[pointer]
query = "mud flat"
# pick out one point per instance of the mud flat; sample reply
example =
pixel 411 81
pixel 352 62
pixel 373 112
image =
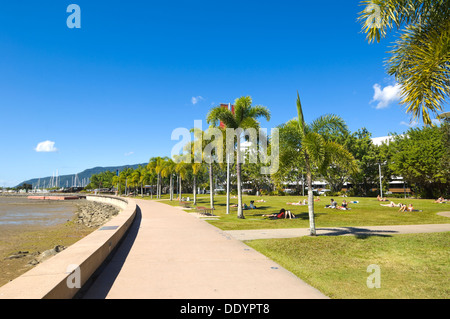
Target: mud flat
pixel 25 240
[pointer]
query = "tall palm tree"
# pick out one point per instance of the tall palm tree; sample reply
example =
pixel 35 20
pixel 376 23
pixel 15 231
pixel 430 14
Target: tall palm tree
pixel 420 60
pixel 319 153
pixel 200 135
pixel 168 171
pixel 156 165
pixel 245 116
pixel 181 169
pixel 196 167
pixel 135 178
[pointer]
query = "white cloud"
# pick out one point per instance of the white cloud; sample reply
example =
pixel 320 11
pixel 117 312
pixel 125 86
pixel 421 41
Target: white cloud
pixel 46 147
pixel 129 153
pixel 196 99
pixel 411 124
pixel 436 122
pixel 386 96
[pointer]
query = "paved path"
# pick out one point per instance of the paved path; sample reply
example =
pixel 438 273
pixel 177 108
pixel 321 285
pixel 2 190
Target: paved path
pixel 169 254
pixel 362 231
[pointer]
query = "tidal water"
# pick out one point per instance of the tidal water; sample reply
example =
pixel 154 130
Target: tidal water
pixel 19 210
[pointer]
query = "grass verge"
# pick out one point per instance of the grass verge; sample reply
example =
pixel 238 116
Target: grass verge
pixel 412 265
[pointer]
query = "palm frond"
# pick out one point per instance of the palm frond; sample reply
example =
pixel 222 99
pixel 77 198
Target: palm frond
pixel 220 114
pixel 328 123
pixel 420 63
pixel 314 145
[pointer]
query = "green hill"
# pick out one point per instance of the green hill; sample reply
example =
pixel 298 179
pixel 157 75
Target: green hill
pixel 76 179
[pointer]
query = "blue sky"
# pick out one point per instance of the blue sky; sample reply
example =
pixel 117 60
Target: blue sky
pixel 112 92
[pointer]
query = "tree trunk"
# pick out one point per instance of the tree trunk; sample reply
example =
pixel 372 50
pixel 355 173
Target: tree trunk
pixel 211 186
pixel 312 224
pixel 158 187
pixel 195 190
pixel 171 187
pixel 240 213
pixel 180 188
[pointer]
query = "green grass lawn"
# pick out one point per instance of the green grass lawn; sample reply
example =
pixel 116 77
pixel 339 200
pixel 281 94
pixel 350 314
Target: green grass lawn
pixel 411 265
pixel 367 212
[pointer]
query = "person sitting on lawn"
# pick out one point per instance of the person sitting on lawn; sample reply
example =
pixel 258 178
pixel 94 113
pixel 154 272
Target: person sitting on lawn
pixel 252 204
pixel 380 199
pixel 333 204
pixel 344 204
pixel 403 207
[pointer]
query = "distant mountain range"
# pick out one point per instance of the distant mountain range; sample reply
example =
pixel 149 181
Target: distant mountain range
pixel 75 179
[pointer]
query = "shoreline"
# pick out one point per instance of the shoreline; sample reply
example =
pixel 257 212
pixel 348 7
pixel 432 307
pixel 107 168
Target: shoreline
pixel 29 241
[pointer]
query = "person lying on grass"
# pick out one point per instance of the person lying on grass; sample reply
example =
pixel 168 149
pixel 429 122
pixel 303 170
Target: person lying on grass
pixel 391 204
pixel 441 200
pixel 408 208
pixel 282 214
pixel 380 199
pixel 304 202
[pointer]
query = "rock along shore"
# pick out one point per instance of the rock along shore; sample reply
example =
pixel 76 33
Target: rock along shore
pixel 94 214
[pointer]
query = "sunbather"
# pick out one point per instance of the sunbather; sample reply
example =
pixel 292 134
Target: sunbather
pixel 441 200
pixel 282 214
pixel 298 203
pixel 277 216
pixel 380 199
pixel 391 204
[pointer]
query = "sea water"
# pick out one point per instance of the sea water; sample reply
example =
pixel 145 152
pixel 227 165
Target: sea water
pixel 19 210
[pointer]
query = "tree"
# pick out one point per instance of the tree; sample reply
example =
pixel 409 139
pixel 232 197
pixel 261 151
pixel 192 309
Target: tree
pixel 418 156
pixel 368 157
pixel 156 165
pixel 181 168
pixel 420 60
pixel 200 135
pixel 318 152
pixel 168 170
pixel 245 116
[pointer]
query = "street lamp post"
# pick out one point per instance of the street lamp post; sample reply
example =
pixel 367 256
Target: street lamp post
pixel 381 185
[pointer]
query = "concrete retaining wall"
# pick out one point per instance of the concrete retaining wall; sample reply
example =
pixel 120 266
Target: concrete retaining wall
pixel 61 276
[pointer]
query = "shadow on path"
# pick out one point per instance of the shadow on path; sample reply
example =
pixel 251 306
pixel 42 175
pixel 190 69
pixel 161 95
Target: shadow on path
pixel 360 233
pixel 101 282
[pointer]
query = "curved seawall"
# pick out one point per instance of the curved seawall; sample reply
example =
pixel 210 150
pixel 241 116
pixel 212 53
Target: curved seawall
pixel 62 276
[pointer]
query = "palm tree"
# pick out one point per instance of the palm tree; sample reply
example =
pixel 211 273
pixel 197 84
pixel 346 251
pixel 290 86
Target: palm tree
pixel 168 170
pixel 245 116
pixel 420 60
pixel 199 134
pixel 156 165
pixel 124 178
pixel 181 168
pixel 318 152
pixel 135 178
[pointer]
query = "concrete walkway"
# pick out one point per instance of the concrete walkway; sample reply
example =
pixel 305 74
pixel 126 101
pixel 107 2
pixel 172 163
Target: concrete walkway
pixel 362 231
pixel 170 254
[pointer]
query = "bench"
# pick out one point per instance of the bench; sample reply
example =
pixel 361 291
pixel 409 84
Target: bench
pixel 205 211
pixel 185 204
